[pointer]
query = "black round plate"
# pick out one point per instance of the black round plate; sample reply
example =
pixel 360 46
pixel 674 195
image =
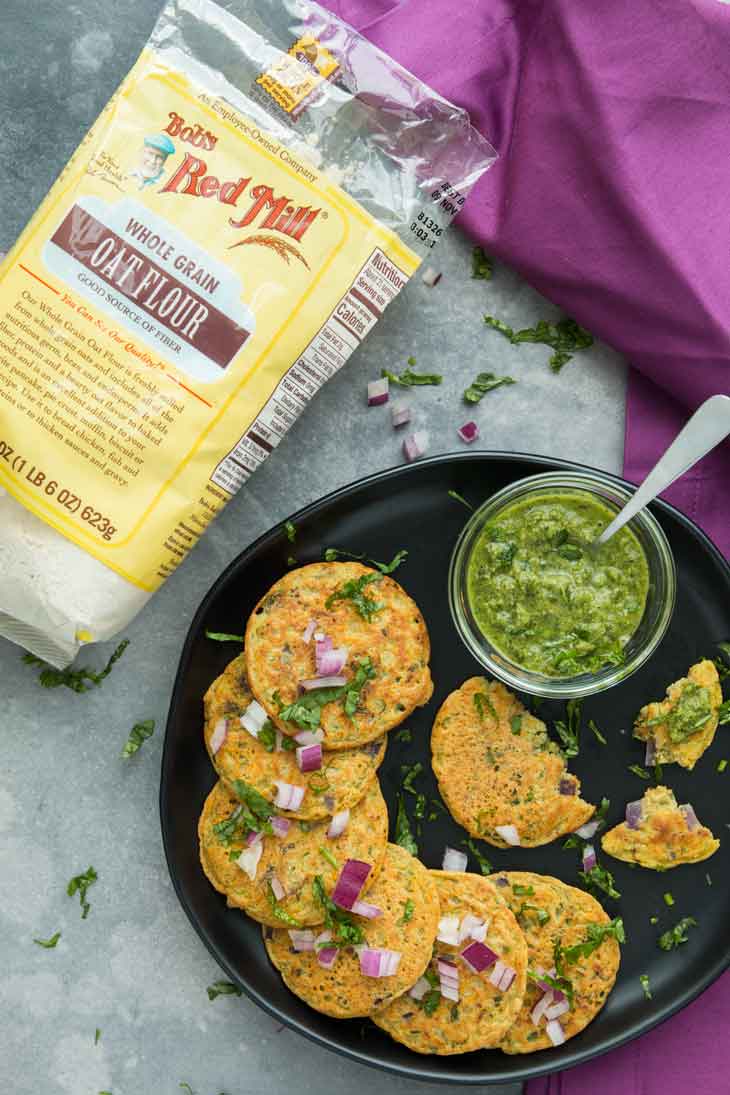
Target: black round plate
pixel 410 507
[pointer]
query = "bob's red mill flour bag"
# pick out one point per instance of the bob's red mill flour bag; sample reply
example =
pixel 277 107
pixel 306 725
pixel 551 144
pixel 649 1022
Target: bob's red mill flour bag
pixel 258 190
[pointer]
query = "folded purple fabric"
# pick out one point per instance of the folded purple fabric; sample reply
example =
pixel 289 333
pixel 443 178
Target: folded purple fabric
pixel 613 126
pixel 611 197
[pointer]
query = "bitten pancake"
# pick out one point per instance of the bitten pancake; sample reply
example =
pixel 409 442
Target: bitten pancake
pixel 483 1013
pixel 549 913
pixel 683 725
pixel 344 991
pixel 496 766
pixel 663 835
pixel 392 643
pixel 294 859
pixel 340 783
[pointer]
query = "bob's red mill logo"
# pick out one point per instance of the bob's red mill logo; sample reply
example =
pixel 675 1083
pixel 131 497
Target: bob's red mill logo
pixel 265 210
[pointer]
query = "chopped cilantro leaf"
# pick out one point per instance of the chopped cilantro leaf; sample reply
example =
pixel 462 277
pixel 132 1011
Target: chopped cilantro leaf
pixel 708 878
pixel 306 711
pixel 481 264
pixel 642 773
pixel 291 532
pixel 137 735
pixel 403 832
pixel 187 1087
pixel 48 943
pixel 522 891
pixel 721 765
pixel 568 729
pixel 267 736
pixel 596 732
pixel 723 713
pixel 668 899
pixel 327 855
pixel 408 910
pixel 596 934
pixel 484 865
pixel 409 772
pixel 516 724
pixel 97 1036
pixel 223 637
pixel 354 590
pixel 409 379
pixel 561 983
pixel 222 988
pixel 598 878
pixel 80 884
pixel 564 337
pixel 482 702
pixel 404 734
pixel 332 554
pixel 483 383
pixel 277 911
pixel 78 680
pixel 676 935
pixel 643 978
pixel 459 498
pixel 345 932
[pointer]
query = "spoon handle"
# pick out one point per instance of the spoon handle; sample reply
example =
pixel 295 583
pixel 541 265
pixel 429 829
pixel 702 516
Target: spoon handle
pixel 707 427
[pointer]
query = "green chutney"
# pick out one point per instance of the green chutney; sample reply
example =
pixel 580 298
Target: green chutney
pixel 542 599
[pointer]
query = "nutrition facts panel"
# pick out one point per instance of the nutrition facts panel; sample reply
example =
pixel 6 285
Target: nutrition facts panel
pixel 376 285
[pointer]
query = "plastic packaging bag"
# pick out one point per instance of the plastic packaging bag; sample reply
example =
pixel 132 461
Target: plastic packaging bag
pixel 261 186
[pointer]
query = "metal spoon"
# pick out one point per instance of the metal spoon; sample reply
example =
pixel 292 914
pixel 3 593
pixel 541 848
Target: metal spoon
pixel 708 426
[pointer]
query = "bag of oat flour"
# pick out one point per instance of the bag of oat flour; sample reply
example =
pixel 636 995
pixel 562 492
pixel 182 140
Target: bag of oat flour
pixel 261 186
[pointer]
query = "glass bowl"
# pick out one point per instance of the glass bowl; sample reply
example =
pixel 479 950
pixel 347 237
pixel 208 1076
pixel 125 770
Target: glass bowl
pixel 659 602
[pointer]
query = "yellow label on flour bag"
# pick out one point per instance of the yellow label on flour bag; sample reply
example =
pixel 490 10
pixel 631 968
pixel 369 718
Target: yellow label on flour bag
pixel 210 256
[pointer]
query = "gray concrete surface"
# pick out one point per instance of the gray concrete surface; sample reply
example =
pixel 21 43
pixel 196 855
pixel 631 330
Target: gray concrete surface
pixel 134 968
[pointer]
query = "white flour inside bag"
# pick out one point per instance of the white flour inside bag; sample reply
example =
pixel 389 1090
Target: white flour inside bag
pixel 258 190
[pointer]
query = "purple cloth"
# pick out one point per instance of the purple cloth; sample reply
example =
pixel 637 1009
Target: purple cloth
pixel 611 194
pixel 611 197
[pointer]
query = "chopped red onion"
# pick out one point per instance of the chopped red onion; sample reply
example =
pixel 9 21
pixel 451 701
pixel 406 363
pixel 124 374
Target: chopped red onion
pixel 309 737
pixel 350 882
pixel 468 432
pixel 370 912
pixel 480 932
pixel 507 978
pixel 279 748
pixel 634 812
pixel 502 881
pixel 338 824
pixel 309 757
pixel 322 682
pixel 288 796
pixel 555 1032
pixel 277 889
pixel 220 731
pixel 378 392
pixel 567 786
pixel 556 1010
pixel 449 991
pixel 400 414
pixel 454 860
pixel 448 930
pixel 301 940
pixel 588 830
pixel 468 924
pixel 448 979
pixel 690 817
pixel 320 637
pixel 497 972
pixel 650 754
pixel 326 956
pixel 249 858
pixel 420 989
pixel 322 643
pixel 253 838
pixel 253 718
pixel 415 446
pixel 309 630
pixel 589 857
pixel 330 663
pixel 541 1007
pixel 478 957
pixel 431 277
pixel 280 825
pixel 379 962
pixel 509 834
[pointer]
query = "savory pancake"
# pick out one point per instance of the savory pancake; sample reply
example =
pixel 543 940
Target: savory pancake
pixel 552 914
pixel 497 768
pixel 291 860
pixel 340 783
pixel 407 897
pixel 483 1013
pixel 365 615
pixel 683 725
pixel 659 834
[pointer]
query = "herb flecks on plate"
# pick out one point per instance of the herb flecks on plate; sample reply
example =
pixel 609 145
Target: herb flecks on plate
pixel 411 379
pixel 82 679
pixel 137 735
pixel 565 337
pixel 345 931
pixel 481 265
pixel 306 710
pixel 354 590
pixel 222 988
pixel 223 637
pixel 49 944
pixel 484 865
pixel 483 383
pixel 672 938
pixel 80 884
pixel 568 729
